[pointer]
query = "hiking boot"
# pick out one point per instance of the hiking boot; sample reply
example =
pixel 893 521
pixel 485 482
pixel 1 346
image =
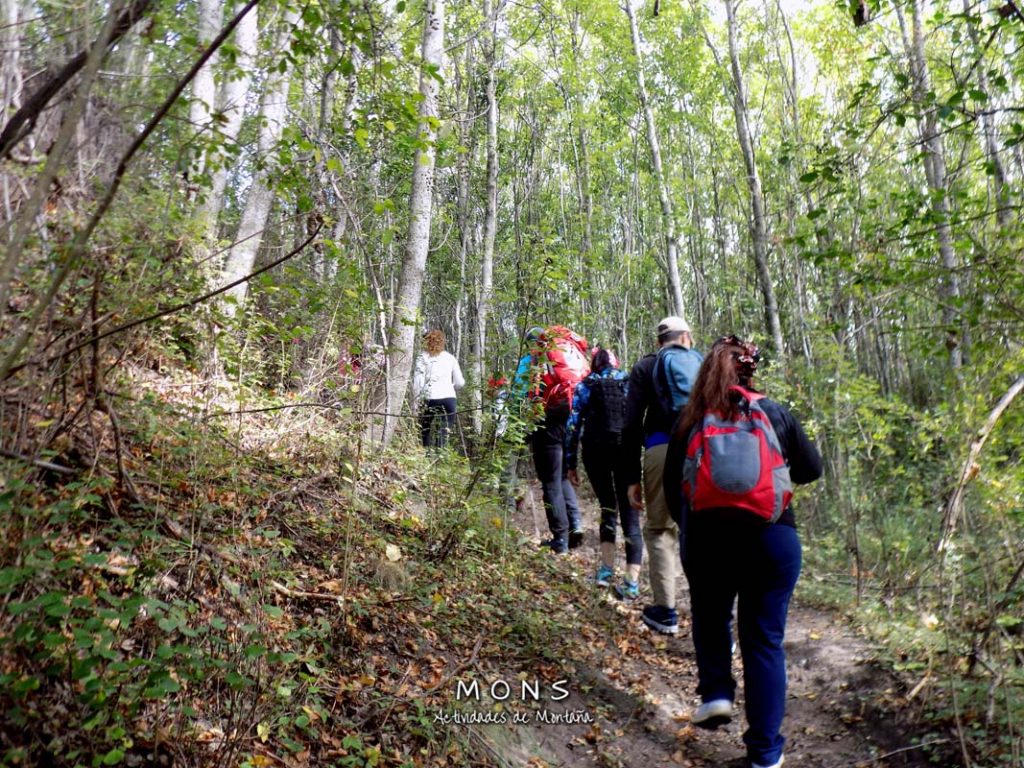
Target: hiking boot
pixel 576 538
pixel 604 576
pixel 714 713
pixel 661 619
pixel 627 590
pixel 558 546
pixel 777 764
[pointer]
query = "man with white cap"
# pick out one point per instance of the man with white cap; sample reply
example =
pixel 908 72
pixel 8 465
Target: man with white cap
pixel 659 387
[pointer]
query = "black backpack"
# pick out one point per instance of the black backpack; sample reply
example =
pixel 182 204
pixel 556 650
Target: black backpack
pixel 607 409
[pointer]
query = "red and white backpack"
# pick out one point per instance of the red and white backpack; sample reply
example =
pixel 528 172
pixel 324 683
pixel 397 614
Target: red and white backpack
pixel 737 463
pixel 563 358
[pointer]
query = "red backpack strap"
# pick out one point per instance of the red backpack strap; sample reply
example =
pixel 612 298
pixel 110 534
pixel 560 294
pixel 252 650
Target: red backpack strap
pixel 750 395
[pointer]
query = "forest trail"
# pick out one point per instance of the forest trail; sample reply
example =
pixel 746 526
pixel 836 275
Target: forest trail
pixel 638 687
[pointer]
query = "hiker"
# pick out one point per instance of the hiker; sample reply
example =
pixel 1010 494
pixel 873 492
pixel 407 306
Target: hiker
pixel 733 459
pixel 437 377
pixel 659 386
pixel 547 376
pixel 598 415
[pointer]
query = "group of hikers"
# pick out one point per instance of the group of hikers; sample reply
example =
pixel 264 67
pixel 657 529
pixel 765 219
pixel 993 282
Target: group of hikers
pixel 690 444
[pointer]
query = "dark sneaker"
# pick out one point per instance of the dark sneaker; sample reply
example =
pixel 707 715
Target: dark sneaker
pixel 627 590
pixel 576 538
pixel 557 546
pixel 661 619
pixel 713 714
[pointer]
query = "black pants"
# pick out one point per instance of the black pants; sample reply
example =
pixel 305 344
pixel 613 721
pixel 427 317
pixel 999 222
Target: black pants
pixel 600 460
pixel 437 421
pixel 560 504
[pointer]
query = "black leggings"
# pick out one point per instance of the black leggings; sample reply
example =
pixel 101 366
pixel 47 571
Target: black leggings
pixel 601 462
pixel 437 421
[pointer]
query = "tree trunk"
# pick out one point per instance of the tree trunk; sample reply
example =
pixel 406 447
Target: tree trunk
pixel 668 219
pixel 1003 213
pixel 273 105
pixel 935 175
pixel 204 89
pixel 491 209
pixel 231 107
pixel 10 58
pixel 464 87
pixel 10 82
pixel 759 224
pixel 410 282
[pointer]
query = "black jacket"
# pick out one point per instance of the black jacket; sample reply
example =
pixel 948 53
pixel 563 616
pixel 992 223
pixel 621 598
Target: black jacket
pixel 644 417
pixel 800 453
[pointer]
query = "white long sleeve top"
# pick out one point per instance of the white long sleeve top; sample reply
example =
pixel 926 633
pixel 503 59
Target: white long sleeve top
pixel 437 376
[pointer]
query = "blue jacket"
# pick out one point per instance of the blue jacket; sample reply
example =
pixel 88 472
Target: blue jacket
pixel 524 373
pixel 581 409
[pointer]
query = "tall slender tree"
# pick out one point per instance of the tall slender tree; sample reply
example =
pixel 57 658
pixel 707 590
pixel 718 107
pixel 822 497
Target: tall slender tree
pixel 934 159
pixel 260 199
pixel 665 200
pixel 491 206
pixel 231 100
pixel 204 86
pixel 404 319
pixel 759 222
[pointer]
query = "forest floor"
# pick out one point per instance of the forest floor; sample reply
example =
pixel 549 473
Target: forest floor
pixel 637 688
pixel 275 596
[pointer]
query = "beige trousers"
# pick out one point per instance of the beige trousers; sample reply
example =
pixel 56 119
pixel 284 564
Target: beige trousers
pixel 661 534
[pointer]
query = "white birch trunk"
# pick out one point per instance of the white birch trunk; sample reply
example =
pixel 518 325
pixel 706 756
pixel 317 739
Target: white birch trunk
pixel 668 218
pixel 410 282
pixel 935 174
pixel 273 106
pixel 10 86
pixel 10 59
pixel 759 225
pixel 990 134
pixel 231 107
pixel 490 213
pixel 204 89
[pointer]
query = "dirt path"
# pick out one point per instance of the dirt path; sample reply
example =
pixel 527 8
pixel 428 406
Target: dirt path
pixel 637 689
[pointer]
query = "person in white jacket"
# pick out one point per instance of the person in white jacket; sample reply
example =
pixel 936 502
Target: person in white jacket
pixel 437 377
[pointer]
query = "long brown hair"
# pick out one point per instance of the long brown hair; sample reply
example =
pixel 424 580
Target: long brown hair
pixel 433 341
pixel 718 373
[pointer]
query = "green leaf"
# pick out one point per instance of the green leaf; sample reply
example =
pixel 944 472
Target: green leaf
pixel 808 177
pixel 113 757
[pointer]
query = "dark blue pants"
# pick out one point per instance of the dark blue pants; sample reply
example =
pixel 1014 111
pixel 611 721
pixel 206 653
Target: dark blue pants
pixel 437 422
pixel 560 504
pixel 758 564
pixel 601 461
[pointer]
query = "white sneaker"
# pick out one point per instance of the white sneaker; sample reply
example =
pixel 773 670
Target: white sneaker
pixel 777 764
pixel 712 714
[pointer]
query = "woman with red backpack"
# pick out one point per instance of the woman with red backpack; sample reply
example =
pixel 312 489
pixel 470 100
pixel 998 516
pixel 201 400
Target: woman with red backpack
pixel 733 459
pixel 547 375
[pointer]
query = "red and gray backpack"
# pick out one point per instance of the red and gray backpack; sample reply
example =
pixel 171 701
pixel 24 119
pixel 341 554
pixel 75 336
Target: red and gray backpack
pixel 737 463
pixel 563 357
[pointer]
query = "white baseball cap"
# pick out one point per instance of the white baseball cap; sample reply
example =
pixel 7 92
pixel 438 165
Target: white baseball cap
pixel 672 324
